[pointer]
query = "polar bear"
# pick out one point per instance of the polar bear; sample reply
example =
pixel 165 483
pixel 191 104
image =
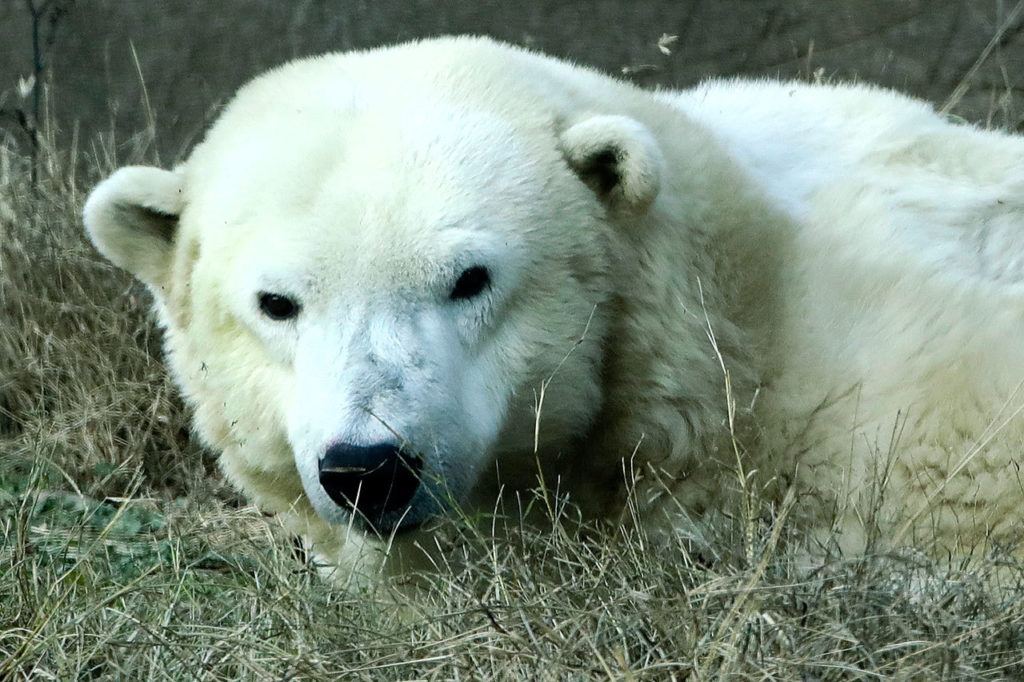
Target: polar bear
pixel 393 282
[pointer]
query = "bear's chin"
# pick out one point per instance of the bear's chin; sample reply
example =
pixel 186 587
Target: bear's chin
pixel 391 525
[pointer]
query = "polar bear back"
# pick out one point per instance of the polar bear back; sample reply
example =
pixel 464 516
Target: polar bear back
pixel 904 297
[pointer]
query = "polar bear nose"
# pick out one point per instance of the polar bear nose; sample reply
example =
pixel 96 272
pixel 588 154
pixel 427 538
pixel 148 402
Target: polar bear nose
pixel 373 480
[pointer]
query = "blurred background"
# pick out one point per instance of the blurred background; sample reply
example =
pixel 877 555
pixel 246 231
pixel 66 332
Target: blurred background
pixel 192 54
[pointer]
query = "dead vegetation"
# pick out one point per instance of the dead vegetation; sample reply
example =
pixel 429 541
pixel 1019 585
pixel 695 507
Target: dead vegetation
pixel 124 556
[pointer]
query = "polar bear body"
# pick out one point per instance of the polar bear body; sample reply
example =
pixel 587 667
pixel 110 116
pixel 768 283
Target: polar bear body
pixel 904 290
pixel 822 283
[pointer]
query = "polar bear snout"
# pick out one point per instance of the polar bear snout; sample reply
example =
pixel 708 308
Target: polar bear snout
pixel 374 481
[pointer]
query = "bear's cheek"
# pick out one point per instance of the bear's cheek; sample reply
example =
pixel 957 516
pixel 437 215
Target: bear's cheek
pixel 238 392
pixel 557 348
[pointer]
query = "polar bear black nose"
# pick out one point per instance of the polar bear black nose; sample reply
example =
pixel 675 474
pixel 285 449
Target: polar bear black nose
pixel 373 480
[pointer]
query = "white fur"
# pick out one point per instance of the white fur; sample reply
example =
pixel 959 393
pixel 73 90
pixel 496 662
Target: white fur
pixel 853 260
pixel 641 164
pixel 112 214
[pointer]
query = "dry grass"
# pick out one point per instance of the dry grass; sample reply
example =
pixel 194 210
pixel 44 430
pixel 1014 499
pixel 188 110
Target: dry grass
pixel 123 555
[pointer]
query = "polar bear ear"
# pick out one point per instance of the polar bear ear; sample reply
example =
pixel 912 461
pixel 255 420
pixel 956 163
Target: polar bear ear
pixel 132 217
pixel 618 158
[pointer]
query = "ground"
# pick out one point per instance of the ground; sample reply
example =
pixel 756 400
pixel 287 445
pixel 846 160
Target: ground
pixel 122 555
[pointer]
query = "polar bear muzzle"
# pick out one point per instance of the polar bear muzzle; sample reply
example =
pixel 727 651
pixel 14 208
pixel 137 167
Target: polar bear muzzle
pixel 376 482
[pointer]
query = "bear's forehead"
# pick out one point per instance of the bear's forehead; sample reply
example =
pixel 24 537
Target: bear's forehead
pixel 354 236
pixel 337 262
pixel 427 157
pixel 405 197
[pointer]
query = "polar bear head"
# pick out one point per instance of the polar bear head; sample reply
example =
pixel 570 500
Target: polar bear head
pixel 376 268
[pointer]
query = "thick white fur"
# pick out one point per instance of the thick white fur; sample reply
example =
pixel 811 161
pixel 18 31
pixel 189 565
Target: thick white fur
pixel 117 212
pixel 849 257
pixel 640 161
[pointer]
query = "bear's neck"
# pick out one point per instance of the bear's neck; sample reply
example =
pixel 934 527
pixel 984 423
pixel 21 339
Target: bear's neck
pixel 693 311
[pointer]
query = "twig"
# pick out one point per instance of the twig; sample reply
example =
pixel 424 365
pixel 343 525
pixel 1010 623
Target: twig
pixel 965 83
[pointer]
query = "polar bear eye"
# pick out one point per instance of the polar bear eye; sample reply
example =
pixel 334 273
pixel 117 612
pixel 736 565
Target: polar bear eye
pixel 278 307
pixel 471 282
